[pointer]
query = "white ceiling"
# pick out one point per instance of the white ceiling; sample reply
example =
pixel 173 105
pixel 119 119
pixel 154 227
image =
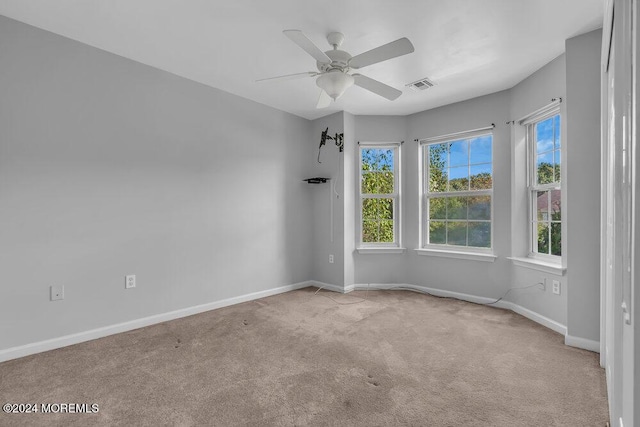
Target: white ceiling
pixel 468 47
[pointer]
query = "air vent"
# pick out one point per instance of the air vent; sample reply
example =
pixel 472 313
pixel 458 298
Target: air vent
pixel 421 84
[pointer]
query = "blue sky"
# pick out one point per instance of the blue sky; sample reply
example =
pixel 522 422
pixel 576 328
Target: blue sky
pixel 475 151
pixel 545 132
pixel 376 156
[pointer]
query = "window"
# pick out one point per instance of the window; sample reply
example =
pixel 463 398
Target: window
pixel 457 191
pixel 379 195
pixel 545 219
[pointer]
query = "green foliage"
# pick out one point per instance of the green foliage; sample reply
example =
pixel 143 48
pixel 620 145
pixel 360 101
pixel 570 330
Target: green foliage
pixel 547 173
pixel 377 178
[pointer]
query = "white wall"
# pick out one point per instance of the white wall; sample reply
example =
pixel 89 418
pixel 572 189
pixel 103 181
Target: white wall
pixel 109 167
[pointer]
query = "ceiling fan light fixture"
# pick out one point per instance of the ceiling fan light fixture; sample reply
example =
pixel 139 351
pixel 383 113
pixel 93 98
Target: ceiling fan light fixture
pixel 335 83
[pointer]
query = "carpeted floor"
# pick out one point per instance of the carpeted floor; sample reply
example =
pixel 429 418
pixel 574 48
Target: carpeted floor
pixel 398 358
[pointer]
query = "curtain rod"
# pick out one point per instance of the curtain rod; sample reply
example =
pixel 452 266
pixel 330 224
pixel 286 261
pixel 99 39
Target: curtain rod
pixel 554 102
pixel 455 134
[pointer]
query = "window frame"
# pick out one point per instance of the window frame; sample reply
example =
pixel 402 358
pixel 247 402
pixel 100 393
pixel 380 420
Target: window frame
pixel 424 173
pixel 396 196
pixel 533 187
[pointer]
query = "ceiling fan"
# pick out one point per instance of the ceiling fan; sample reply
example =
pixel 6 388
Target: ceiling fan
pixel 334 66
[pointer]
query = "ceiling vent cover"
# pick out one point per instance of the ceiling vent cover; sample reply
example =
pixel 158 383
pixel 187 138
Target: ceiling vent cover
pixel 421 84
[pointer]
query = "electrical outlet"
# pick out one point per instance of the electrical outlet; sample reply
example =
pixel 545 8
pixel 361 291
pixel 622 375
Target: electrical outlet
pixel 56 292
pixel 556 287
pixel 130 281
pixel 330 258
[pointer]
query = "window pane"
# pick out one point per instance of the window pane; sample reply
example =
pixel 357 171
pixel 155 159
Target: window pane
pixel 542 206
pixel 556 239
pixel 543 238
pixel 480 150
pixel 545 168
pixel 369 231
pixel 377 182
pixel 438 155
pixel 459 178
pixel 544 135
pixel 437 232
pixel 481 177
pixel 438 208
pixel 437 179
pixel 377 208
pixel 386 231
pixel 556 122
pixel 458 153
pixel 480 234
pixel 456 208
pixel 480 207
pixel 377 159
pixel 555 208
pixel 457 233
pixel 556 169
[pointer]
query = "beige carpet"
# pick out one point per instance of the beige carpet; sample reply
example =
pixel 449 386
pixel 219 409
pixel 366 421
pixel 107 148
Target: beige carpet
pixel 398 358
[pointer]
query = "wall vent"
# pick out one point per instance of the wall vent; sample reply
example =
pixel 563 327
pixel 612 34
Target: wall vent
pixel 421 84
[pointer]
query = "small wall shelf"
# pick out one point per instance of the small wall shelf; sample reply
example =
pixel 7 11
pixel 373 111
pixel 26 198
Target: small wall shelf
pixel 317 180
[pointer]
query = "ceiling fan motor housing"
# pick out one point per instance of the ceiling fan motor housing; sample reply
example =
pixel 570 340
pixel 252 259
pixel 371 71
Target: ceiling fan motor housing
pixel 339 61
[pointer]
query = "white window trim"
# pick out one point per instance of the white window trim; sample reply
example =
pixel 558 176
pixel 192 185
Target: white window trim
pixel 469 255
pixel 529 121
pixel 453 251
pixel 539 265
pixel 380 248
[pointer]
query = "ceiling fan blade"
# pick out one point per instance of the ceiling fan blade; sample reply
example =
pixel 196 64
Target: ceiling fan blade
pixel 376 87
pixel 324 100
pixel 382 53
pixel 290 76
pixel 307 45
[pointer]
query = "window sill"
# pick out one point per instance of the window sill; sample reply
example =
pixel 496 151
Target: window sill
pixel 373 250
pixel 536 264
pixel 474 256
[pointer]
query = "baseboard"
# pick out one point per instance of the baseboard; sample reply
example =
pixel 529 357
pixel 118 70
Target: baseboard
pixel 51 344
pixel 538 318
pixel 329 287
pixel 432 291
pixel 529 314
pixel 582 343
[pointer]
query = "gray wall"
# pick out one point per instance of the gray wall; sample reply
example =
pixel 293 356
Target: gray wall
pixel 382 268
pixel 465 276
pixel 583 182
pixel 327 202
pixel 109 167
pixel 531 94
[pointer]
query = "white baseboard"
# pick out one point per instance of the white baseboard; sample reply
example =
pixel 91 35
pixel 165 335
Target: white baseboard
pixel 538 318
pixel 51 344
pixel 583 343
pixel 329 287
pixel 529 314
pixel 432 291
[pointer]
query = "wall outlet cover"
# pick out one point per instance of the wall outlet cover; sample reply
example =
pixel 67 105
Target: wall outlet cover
pixel 56 292
pixel 130 281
